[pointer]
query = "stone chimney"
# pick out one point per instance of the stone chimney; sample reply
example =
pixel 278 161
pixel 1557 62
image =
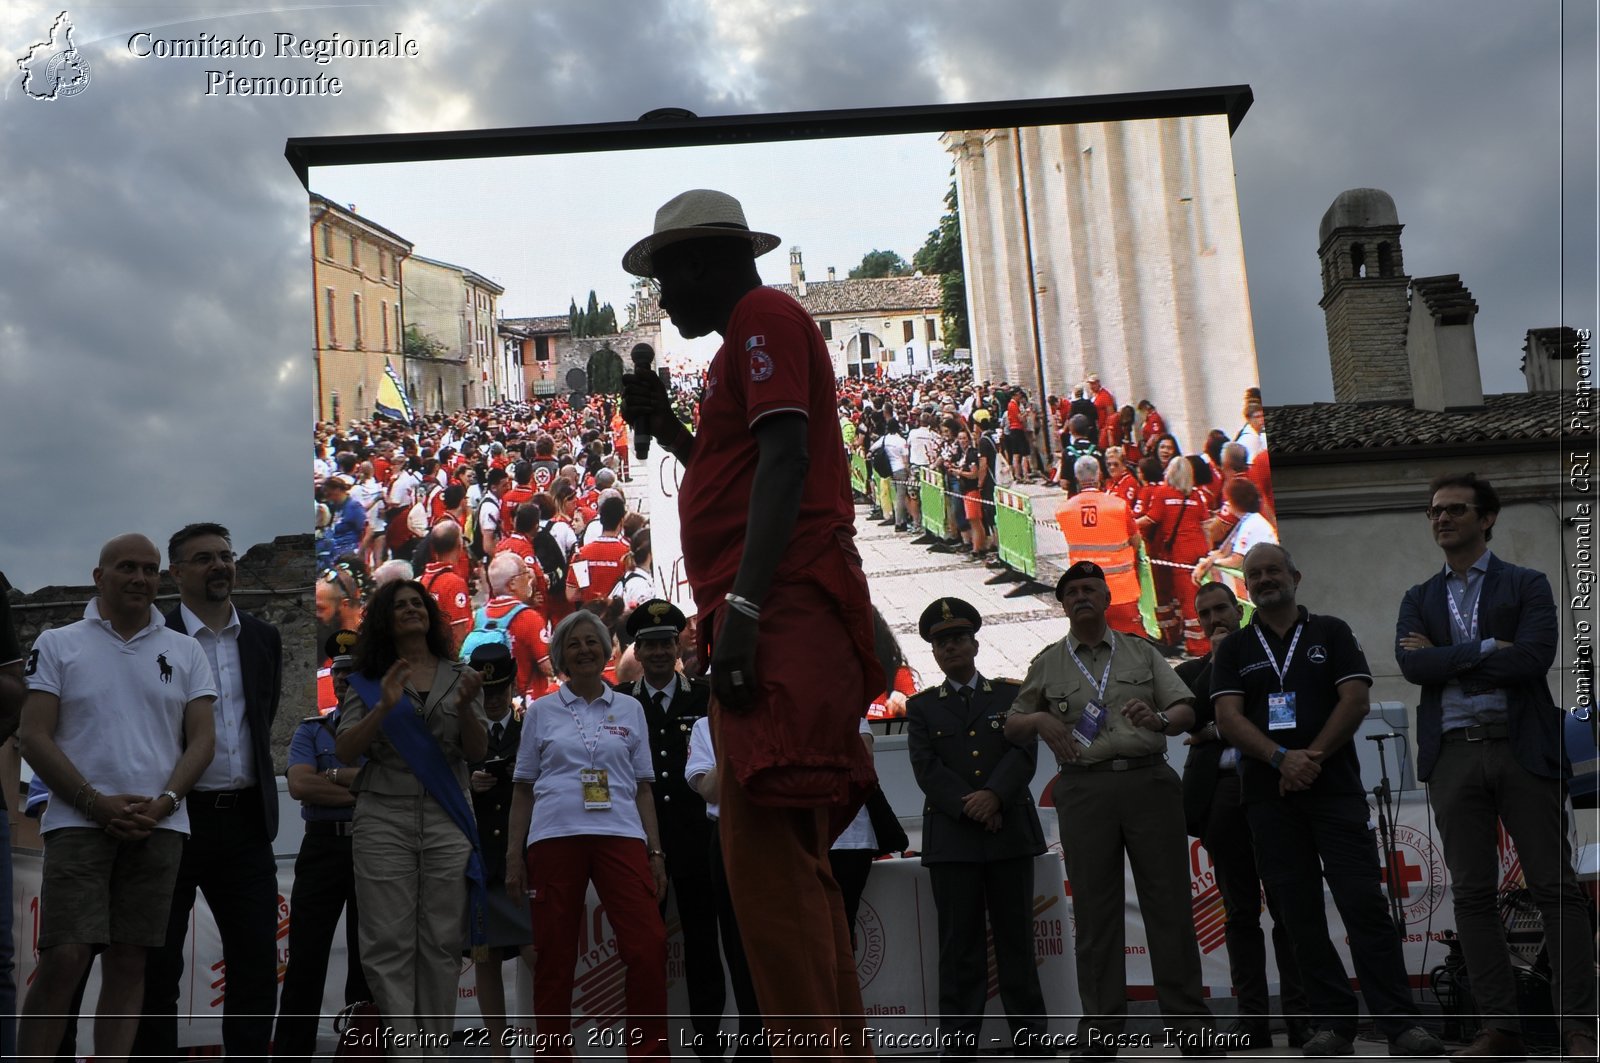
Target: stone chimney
pixel 797 272
pixel 1441 345
pixel 831 277
pixel 1550 359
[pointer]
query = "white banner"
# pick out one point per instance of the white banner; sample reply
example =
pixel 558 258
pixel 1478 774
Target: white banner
pixel 666 549
pixel 896 959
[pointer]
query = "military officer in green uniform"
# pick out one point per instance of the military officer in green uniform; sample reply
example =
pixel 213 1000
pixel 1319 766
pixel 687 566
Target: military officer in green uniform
pixel 980 833
pixel 1104 703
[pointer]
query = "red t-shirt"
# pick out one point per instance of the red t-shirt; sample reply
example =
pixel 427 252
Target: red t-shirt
pixel 1127 488
pixel 327 698
pixel 1013 416
pixel 1259 472
pixel 1178 519
pixel 1105 408
pixel 603 561
pixel 508 506
pixel 450 591
pixel 1154 428
pixel 530 645
pixel 772 359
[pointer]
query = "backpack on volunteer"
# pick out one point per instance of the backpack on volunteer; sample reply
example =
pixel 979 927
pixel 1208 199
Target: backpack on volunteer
pixel 487 630
pixel 880 461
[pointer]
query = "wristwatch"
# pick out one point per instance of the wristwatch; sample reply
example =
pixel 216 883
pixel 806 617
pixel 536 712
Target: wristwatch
pixel 1277 758
pixel 1165 723
pixel 176 801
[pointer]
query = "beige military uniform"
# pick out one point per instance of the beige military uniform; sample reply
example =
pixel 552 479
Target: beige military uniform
pixel 1121 798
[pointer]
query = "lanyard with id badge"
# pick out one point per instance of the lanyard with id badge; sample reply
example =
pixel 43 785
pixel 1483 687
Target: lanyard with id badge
pixel 595 782
pixel 1093 716
pixel 1280 706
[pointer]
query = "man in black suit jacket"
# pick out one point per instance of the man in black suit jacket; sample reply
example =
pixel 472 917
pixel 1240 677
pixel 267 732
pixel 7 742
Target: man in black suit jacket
pixel 233 814
pixel 980 833
pixel 1479 637
pixel 1213 814
pixel 672 703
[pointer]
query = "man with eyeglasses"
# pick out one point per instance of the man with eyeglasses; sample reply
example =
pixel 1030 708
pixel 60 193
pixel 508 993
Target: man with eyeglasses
pixel 233 809
pixel 1479 637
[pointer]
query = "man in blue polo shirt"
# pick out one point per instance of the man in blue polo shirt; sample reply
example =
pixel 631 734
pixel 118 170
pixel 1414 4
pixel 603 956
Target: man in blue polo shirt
pixel 1290 690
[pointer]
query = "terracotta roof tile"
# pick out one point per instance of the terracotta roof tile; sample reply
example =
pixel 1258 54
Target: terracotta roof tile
pixel 873 296
pixel 1334 426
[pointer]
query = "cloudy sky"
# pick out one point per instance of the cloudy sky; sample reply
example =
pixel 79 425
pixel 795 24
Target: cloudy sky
pixel 155 315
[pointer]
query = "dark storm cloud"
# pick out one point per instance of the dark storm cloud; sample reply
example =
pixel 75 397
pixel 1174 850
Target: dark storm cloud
pixel 154 318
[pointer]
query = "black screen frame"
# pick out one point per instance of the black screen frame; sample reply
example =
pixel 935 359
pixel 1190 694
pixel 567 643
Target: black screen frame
pixel 672 128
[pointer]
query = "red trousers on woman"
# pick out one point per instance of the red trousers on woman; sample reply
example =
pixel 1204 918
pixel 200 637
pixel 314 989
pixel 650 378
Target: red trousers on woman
pixel 559 873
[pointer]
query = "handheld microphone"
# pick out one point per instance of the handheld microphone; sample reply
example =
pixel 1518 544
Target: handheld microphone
pixel 644 357
pixel 1382 737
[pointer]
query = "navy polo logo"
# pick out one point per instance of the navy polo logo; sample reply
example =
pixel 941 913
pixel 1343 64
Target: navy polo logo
pixel 1317 654
pixel 33 663
pixel 166 669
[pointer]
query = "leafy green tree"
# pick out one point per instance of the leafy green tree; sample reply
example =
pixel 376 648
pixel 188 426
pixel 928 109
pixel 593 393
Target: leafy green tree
pixel 415 343
pixel 941 254
pixel 877 263
pixel 574 324
pixel 605 372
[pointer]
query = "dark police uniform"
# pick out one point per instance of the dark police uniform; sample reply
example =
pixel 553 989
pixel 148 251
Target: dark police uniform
pixel 509 923
pixel 957 746
pixel 324 885
pixel 686 831
pixel 1324 831
pixel 1214 814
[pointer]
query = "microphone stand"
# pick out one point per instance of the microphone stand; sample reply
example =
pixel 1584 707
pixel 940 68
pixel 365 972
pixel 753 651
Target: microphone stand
pixel 1391 862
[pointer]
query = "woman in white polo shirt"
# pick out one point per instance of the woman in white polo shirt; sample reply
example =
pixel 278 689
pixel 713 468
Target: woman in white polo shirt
pixel 582 811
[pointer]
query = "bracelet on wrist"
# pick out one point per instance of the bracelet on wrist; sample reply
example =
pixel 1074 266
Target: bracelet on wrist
pixel 741 604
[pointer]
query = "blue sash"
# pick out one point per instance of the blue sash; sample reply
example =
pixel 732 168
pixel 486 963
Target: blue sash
pixel 410 735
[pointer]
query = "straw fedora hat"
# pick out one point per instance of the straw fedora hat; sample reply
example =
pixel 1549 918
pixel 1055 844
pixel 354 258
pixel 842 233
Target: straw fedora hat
pixel 694 215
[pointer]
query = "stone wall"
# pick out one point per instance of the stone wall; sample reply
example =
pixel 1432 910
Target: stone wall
pixel 275 583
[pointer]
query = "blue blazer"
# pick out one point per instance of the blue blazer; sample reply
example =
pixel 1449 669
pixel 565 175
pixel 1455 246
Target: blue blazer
pixel 261 659
pixel 1515 605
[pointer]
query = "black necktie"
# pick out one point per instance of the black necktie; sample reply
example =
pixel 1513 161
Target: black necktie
pixel 659 700
pixel 495 732
pixel 966 696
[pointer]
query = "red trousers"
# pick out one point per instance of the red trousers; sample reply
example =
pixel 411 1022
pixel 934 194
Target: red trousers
pixel 791 920
pixel 559 873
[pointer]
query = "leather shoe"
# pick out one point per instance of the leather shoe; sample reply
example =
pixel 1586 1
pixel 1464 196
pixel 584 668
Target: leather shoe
pixel 1247 1033
pixel 1415 1041
pixel 1578 1044
pixel 1493 1044
pixel 1326 1043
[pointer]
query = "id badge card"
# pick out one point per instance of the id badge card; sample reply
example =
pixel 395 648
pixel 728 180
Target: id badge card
pixel 1280 711
pixel 1089 723
pixel 596 789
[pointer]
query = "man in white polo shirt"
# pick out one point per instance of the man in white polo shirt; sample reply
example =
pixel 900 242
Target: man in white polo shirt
pixel 118 725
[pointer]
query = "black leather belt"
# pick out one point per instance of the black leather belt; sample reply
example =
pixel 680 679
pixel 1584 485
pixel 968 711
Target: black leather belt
pixel 221 800
pixel 1478 732
pixel 1118 764
pixel 330 826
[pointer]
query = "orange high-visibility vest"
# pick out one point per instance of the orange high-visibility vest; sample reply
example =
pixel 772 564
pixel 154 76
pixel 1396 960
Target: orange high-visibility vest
pixel 1097 527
